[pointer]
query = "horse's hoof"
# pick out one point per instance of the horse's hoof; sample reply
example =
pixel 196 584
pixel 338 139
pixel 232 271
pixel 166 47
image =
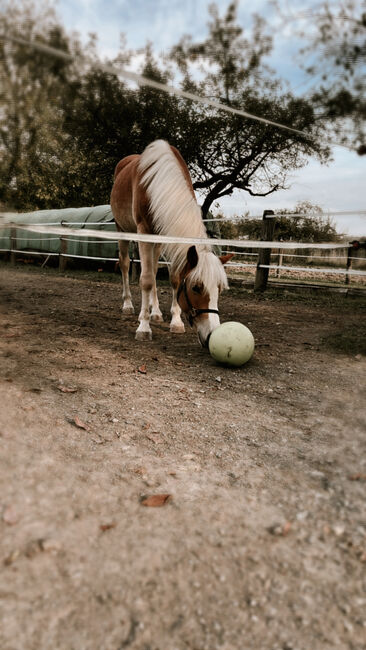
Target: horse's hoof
pixel 177 329
pixel 128 311
pixel 143 336
pixel 157 318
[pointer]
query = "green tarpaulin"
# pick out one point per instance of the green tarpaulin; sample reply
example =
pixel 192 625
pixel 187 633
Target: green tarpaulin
pixel 98 218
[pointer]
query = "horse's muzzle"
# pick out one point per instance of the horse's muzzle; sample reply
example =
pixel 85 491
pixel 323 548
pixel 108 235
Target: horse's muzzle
pixel 204 342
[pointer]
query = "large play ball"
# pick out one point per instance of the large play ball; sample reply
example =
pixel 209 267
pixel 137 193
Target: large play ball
pixel 231 343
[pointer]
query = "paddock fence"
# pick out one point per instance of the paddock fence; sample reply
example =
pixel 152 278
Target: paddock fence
pixel 90 234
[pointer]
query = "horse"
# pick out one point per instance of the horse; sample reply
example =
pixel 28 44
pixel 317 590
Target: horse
pixel 153 193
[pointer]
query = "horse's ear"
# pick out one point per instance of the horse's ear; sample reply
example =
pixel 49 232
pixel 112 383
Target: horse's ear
pixel 192 258
pixel 226 258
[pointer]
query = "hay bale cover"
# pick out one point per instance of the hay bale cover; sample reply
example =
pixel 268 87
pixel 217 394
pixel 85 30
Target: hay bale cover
pixel 97 218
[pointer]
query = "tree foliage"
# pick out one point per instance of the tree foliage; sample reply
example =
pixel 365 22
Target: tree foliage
pixel 64 126
pixel 33 91
pixel 225 152
pixel 335 58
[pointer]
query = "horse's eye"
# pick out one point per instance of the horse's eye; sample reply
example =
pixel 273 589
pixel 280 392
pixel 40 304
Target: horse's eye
pixel 196 289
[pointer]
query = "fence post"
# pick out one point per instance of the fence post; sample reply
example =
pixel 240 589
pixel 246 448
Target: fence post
pixel 264 255
pixel 13 245
pixel 352 249
pixel 62 260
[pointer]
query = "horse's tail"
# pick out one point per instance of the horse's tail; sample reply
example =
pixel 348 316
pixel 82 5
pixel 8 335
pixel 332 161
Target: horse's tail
pixel 173 206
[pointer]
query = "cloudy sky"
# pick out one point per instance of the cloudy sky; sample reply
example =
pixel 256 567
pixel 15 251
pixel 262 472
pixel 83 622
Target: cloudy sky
pixel 338 186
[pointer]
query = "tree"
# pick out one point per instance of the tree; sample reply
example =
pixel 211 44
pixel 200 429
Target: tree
pixel 32 95
pixel 225 152
pixel 335 60
pixel 107 121
pixel 99 125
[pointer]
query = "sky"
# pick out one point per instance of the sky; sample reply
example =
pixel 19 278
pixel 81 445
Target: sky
pixel 338 186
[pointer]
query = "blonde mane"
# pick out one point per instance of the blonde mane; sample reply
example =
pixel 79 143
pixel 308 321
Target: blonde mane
pixel 175 213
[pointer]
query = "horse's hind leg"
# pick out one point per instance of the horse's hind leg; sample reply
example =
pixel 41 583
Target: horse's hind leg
pixel 124 262
pixel 155 314
pixel 143 332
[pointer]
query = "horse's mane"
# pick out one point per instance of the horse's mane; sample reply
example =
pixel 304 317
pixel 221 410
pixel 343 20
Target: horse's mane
pixel 175 212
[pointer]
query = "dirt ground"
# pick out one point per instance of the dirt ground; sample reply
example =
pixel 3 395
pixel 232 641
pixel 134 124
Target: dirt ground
pixel 262 544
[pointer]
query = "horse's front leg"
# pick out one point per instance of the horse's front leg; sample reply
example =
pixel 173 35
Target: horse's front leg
pixel 155 314
pixel 124 263
pixel 143 332
pixel 176 324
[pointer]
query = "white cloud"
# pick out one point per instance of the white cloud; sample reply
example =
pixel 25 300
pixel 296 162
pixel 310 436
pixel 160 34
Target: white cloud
pixel 338 187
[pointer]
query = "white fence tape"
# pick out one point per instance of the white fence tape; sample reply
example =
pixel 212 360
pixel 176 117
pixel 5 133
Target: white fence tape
pixel 311 270
pixel 161 239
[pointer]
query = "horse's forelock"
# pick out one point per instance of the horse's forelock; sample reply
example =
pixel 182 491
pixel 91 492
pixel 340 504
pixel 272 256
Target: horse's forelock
pixel 209 271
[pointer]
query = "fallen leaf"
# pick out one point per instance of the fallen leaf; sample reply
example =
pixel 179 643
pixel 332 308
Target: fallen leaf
pixel 154 437
pixel 142 369
pixel 104 527
pixel 140 470
pixel 67 389
pixel 10 516
pixel 11 557
pixel 357 477
pixel 79 423
pixel 155 500
pixel 286 528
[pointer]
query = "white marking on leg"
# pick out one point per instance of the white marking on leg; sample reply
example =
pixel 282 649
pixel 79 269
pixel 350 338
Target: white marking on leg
pixel 146 281
pixel 176 324
pixel 156 314
pixel 124 261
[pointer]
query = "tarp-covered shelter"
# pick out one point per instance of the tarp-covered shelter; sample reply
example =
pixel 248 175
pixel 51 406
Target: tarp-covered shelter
pixel 98 218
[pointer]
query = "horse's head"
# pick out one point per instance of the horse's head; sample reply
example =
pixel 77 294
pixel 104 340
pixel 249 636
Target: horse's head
pixel 201 282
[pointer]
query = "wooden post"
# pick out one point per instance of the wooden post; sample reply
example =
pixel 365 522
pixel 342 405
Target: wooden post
pixel 62 261
pixel 352 251
pixel 264 256
pixel 13 245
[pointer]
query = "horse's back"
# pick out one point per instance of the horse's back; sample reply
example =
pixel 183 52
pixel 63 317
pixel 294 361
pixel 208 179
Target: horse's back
pixel 130 202
pixel 122 195
pixel 124 163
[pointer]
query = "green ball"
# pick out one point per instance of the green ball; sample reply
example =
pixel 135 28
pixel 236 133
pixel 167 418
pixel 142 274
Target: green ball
pixel 231 343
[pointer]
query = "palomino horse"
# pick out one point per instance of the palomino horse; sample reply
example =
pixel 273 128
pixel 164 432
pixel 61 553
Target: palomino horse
pixel 153 194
